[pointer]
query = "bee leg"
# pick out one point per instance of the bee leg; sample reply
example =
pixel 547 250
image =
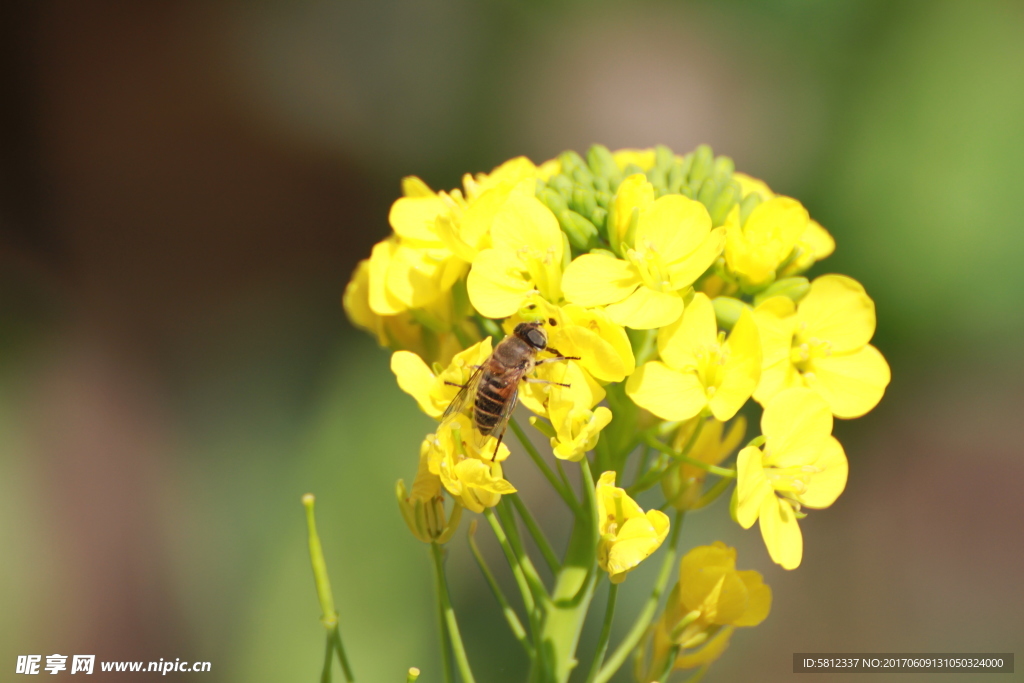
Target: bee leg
pixel 498 445
pixel 454 384
pixel 534 380
pixel 556 358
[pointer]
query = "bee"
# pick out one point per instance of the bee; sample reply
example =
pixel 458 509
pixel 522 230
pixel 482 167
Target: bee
pixel 493 390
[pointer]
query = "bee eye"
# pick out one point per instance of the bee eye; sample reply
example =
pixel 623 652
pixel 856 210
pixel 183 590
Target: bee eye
pixel 552 322
pixel 537 339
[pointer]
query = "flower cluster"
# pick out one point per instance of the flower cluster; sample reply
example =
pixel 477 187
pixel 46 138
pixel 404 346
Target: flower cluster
pixel 672 296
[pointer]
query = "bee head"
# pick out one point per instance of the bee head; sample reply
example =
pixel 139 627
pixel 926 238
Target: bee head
pixel 533 334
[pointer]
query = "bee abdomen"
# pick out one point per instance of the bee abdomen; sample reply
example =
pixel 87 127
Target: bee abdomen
pixel 488 405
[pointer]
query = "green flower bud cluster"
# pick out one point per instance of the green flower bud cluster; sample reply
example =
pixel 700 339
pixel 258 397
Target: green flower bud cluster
pixel 580 194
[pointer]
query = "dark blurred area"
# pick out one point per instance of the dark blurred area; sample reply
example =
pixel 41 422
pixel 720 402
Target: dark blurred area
pixel 185 188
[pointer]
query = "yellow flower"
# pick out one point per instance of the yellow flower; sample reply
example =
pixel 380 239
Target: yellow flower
pixel 402 330
pixel 755 249
pixel 814 243
pixel 700 368
pixel 464 464
pixel 577 429
pixel 423 508
pixel 822 343
pixel 643 158
pixel 431 390
pixel 801 465
pixel 683 483
pixel 710 601
pixel 525 258
pixel 628 535
pixel 672 246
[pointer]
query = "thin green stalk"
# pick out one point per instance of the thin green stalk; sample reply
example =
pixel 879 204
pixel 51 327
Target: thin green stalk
pixel 606 631
pixel 510 614
pixel 712 494
pixel 695 678
pixel 325 674
pixel 651 440
pixel 536 533
pixel 447 666
pixel 564 477
pixel 651 477
pixel 641 462
pixel 639 627
pixel 342 658
pixel 543 466
pixel 465 672
pixel 508 522
pixel 329 615
pixel 513 562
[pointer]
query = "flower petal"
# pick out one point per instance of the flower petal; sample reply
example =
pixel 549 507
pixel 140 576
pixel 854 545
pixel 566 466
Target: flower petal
pixel 413 218
pixel 598 279
pixel 646 309
pixel 524 221
pixel 669 394
pixel 695 330
pixel 602 345
pixel 741 371
pixel 851 383
pixel 795 423
pixel 383 302
pixel 415 379
pixel 839 311
pixel 752 486
pixel 674 226
pixel 759 599
pixel 496 284
pixel 781 533
pixel 826 485
pixel 685 272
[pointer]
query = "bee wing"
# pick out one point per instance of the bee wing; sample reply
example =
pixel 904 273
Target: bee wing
pixel 466 394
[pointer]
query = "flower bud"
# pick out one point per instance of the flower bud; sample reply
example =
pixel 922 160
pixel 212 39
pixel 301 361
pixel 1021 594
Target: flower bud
pixel 795 288
pixel 728 311
pixel 602 163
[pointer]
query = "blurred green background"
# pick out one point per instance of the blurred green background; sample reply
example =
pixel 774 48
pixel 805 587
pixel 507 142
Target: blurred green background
pixel 186 186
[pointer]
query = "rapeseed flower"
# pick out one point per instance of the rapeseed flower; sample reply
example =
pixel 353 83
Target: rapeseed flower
pixel 434 391
pixel 423 507
pixel 628 534
pixel 469 467
pixel 526 257
pixel 800 465
pixel 757 247
pixel 710 601
pixel 671 245
pixel 683 483
pixel 700 368
pixel 577 428
pixel 822 343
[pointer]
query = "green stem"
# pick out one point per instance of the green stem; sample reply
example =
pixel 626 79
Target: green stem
pixel 447 667
pixel 449 617
pixel 342 658
pixel 513 562
pixel 652 441
pixel 508 522
pixel 606 631
pixel 639 627
pixel 329 615
pixel 510 615
pixel 538 460
pixel 712 494
pixel 325 674
pixel 536 533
